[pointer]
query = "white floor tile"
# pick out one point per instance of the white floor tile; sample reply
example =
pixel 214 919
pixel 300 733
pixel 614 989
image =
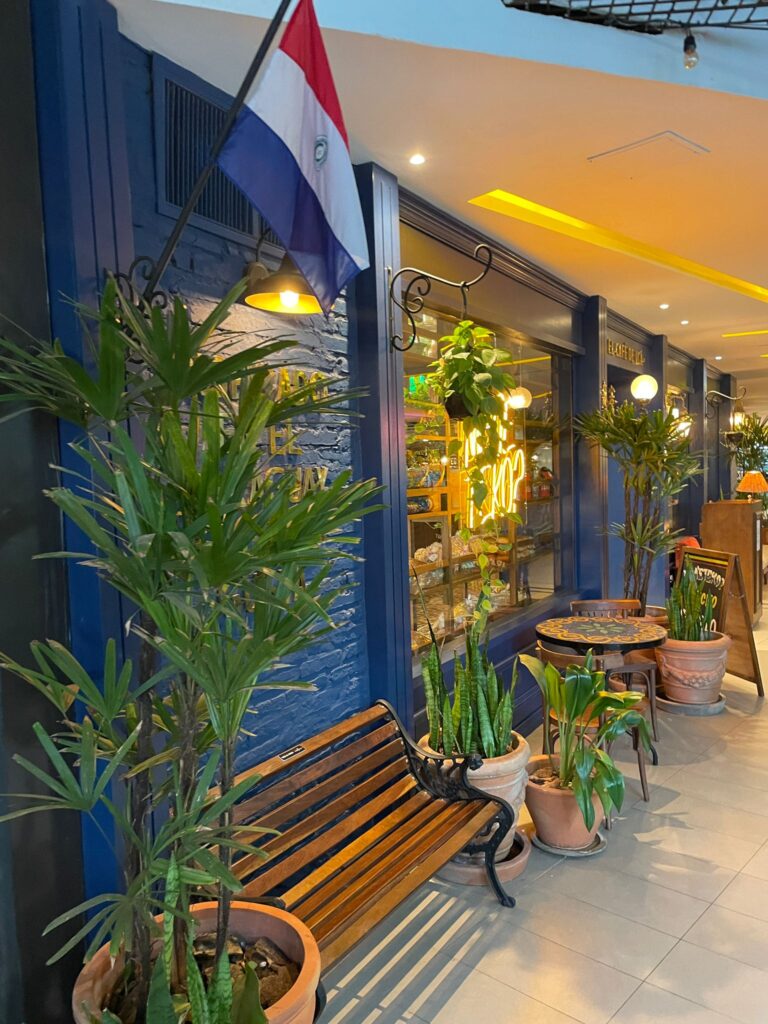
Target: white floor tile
pixel 758 866
pixel 650 1005
pixel 677 834
pixel 632 897
pixel 729 791
pixel 714 981
pixel 748 895
pixel 732 934
pixel 599 934
pixel 551 974
pixel 482 998
pixel 694 812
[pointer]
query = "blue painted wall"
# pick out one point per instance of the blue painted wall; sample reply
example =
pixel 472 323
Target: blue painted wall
pixel 205 267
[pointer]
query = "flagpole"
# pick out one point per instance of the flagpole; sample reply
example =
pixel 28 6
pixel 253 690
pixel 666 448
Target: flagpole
pixel 181 222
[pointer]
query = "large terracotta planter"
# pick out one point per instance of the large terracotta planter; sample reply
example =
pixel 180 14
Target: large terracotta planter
pixel 504 777
pixel 657 614
pixel 248 922
pixel 556 814
pixel 692 670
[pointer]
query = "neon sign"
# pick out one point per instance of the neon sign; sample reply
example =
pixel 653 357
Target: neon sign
pixel 503 479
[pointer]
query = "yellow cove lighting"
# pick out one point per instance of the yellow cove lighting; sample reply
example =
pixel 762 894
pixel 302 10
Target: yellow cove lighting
pixel 510 205
pixel 744 334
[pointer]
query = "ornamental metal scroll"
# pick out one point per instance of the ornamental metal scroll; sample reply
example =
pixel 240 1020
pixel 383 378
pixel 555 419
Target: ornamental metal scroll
pixel 411 301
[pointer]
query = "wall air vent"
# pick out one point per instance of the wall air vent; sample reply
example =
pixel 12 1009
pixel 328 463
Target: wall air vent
pixel 189 113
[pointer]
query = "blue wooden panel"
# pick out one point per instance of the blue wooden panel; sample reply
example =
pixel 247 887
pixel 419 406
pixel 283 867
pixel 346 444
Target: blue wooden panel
pixel 379 369
pixel 86 205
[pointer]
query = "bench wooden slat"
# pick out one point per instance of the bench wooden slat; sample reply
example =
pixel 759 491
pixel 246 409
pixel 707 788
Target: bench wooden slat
pixel 355 922
pixel 338 886
pixel 266 798
pixel 372 807
pixel 383 870
pixel 290 758
pixel 305 828
pixel 337 781
pixel 414 810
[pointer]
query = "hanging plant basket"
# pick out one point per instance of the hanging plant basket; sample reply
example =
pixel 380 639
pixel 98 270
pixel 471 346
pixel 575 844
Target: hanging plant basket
pixel 455 407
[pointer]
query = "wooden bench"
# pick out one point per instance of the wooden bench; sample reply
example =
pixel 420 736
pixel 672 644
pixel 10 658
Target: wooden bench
pixel 365 816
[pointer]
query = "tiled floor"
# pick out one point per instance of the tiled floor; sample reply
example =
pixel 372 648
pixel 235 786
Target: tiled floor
pixel 668 926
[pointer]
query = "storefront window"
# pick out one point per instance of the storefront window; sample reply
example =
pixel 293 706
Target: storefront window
pixel 444 526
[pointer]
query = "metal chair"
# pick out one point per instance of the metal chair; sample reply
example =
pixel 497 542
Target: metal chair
pixel 561 662
pixel 614 608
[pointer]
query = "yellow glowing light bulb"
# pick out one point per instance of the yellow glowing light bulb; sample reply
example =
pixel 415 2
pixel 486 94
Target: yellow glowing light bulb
pixel 289 299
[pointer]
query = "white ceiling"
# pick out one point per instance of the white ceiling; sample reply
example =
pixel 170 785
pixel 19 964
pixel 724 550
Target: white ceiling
pixel 487 122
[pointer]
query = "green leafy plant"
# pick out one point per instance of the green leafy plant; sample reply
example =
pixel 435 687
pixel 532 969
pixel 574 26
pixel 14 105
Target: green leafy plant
pixel 656 462
pixel 229 573
pixel 470 381
pixel 690 609
pixel 479 720
pixel 583 763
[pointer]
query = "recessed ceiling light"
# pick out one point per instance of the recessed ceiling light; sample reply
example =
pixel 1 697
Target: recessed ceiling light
pixel 417 159
pixel 718 358
pixel 663 305
pixel 684 323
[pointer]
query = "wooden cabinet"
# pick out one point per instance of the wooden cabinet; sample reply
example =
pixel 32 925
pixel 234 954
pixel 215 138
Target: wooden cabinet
pixel 735 526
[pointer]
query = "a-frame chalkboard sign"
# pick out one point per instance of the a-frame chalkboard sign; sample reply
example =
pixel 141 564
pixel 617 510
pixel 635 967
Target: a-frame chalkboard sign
pixel 721 575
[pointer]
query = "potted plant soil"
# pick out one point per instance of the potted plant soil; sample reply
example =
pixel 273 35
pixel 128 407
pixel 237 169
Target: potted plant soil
pixel 479 721
pixel 692 660
pixel 225 569
pixel 566 791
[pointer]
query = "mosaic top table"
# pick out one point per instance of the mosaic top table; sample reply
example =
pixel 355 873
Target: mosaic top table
pixel 601 634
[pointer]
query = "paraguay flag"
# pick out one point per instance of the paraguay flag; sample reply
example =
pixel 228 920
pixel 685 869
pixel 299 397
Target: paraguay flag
pixel 289 153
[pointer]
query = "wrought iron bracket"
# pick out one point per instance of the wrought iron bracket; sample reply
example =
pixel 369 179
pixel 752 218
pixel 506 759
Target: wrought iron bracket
pixel 411 300
pixel 716 398
pixel 134 284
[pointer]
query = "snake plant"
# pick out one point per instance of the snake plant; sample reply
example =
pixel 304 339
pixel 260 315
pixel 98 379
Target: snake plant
pixel 691 611
pixel 479 720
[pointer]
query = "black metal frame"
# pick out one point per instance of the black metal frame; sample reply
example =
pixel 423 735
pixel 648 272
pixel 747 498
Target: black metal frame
pixel 446 778
pixel 654 16
pixel 411 304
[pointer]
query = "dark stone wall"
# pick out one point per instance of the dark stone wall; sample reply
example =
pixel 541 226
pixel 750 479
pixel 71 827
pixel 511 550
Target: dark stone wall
pixel 205 268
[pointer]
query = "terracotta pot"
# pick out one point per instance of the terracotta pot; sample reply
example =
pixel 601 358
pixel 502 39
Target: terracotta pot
pixel 692 670
pixel 657 614
pixel 248 922
pixel 465 869
pixel 504 777
pixel 555 812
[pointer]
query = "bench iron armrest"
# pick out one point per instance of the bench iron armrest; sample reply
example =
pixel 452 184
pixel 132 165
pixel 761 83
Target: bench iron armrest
pixel 442 776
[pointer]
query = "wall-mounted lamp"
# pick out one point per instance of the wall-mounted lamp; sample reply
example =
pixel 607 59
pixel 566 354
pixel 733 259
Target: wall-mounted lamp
pixel 285 290
pixel 738 416
pixel 644 387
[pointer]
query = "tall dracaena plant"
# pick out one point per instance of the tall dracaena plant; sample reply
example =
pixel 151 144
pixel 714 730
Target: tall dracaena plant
pixel 656 462
pixel 230 572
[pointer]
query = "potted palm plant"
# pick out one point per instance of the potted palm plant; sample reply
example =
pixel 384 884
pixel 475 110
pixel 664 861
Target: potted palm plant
pixel 228 571
pixel 566 791
pixel 656 463
pixel 479 721
pixel 692 660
